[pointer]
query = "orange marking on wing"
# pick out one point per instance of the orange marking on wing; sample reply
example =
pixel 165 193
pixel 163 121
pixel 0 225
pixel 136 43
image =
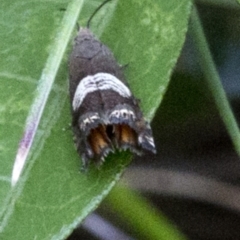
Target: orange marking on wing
pixel 98 139
pixel 125 135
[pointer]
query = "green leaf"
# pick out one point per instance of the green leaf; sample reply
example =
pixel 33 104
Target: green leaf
pixel 53 196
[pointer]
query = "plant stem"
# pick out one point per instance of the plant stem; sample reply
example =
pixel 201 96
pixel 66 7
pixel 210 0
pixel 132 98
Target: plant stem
pixel 142 218
pixel 213 80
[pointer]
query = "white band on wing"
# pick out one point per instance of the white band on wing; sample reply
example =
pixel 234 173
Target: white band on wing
pixel 98 82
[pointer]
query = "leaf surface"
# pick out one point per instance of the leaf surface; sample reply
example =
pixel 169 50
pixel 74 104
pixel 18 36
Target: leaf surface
pixel 53 196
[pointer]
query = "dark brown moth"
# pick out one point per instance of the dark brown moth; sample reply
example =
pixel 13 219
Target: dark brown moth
pixel 105 114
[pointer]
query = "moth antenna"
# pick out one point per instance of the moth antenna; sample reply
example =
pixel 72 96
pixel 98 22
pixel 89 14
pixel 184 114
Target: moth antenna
pixel 96 10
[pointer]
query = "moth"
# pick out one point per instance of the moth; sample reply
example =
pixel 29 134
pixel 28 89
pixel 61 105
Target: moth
pixel 105 114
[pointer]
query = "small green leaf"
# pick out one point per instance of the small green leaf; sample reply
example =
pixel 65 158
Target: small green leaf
pixel 53 196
